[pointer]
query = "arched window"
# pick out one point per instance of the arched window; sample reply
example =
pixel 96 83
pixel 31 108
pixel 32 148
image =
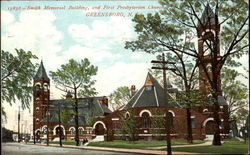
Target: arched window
pixel 45 87
pixel 72 131
pixel 209 35
pixel 205 110
pixel 45 130
pixel 127 115
pixel 171 119
pixel 145 120
pixel 209 68
pixel 37 86
pixel 80 131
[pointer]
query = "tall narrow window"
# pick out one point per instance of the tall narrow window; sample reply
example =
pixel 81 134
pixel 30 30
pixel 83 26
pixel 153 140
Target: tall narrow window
pixel 171 119
pixel 193 123
pixel 45 130
pixel 72 131
pixel 80 131
pixel 145 120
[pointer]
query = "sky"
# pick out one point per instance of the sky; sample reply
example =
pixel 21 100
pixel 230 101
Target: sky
pixel 57 35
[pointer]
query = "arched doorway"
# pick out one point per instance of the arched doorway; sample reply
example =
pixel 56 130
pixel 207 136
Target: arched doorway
pixel 38 135
pixel 59 130
pixel 99 129
pixel 210 128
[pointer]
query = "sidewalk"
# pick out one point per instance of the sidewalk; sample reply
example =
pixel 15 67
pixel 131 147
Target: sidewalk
pixel 138 151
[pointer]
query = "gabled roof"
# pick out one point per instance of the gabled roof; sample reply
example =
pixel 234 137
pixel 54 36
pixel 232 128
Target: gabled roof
pixel 86 106
pixel 150 95
pixel 41 73
pixel 208 17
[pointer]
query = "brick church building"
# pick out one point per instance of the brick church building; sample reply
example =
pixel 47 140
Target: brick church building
pixel 146 106
pixel 46 111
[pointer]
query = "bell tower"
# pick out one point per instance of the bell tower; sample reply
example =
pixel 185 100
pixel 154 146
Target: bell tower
pixel 41 96
pixel 208 45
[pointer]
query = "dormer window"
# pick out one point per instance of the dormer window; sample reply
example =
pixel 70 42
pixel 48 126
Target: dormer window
pixel 148 88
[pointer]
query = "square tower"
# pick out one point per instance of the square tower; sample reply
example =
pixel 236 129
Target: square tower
pixel 208 29
pixel 41 97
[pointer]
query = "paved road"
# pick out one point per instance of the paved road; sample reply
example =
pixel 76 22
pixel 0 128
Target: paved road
pixel 24 149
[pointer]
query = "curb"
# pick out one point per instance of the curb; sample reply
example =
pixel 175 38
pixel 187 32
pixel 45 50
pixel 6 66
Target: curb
pixel 121 150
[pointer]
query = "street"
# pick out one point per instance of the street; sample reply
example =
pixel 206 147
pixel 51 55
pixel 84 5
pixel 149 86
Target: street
pixel 26 149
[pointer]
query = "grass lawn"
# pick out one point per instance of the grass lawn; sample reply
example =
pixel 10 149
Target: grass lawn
pixel 231 146
pixel 140 144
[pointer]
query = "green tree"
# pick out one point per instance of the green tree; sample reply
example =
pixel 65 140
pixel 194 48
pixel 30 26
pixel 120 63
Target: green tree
pixel 235 92
pixel 165 31
pixel 186 77
pixel 64 115
pixel 240 116
pixel 6 135
pixel 77 78
pixel 158 124
pixel 129 125
pixel 17 71
pixel 120 97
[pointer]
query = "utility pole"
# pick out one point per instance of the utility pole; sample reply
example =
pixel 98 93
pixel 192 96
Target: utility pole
pixel 18 124
pixel 60 130
pixel 47 122
pixel 164 68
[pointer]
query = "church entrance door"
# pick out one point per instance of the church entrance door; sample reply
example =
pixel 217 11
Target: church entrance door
pixel 99 129
pixel 210 129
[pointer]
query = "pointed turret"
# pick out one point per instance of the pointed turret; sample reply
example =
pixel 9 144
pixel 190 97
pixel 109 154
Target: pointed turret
pixel 41 73
pixel 207 18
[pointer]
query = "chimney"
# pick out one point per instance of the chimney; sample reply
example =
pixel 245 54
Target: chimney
pixel 104 101
pixel 132 91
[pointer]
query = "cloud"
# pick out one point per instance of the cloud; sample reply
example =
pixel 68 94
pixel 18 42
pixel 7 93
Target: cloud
pixel 95 55
pixel 114 30
pixel 33 31
pixel 136 55
pixel 120 74
pixel 6 18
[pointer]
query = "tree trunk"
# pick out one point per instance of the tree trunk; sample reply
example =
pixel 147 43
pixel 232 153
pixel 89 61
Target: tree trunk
pixel 189 126
pixel 76 118
pixel 217 138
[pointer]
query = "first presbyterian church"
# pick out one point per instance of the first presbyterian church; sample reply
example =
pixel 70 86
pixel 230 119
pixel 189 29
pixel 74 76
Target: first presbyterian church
pixel 146 105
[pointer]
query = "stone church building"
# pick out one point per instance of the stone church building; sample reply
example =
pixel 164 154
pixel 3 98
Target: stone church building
pixel 147 107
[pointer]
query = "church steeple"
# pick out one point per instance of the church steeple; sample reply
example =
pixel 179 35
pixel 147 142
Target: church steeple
pixel 41 73
pixel 208 44
pixel 208 17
